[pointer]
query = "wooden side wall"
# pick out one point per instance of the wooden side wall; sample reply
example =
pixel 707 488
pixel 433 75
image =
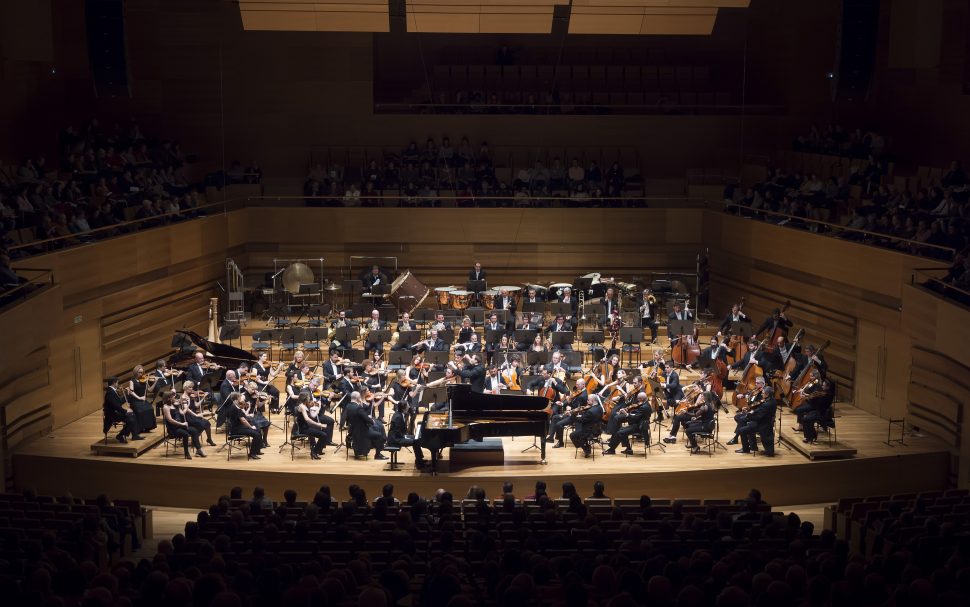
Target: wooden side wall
pixel 938 382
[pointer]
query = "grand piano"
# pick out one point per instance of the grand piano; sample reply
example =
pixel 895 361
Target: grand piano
pixel 476 416
pixel 225 355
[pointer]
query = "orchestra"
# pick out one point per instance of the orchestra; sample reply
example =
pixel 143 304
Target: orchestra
pixel 594 393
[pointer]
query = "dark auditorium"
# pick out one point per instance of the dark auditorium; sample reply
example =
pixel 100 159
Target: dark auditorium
pixel 485 303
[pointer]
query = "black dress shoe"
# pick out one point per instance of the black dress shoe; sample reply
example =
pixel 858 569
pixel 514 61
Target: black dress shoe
pixel 210 442
pixel 137 437
pixel 314 456
pixel 188 456
pixel 766 454
pixel 254 456
pixel 121 439
pixel 380 456
pixel 558 445
pixel 695 450
pixel 332 444
pixel 199 454
pixel 733 441
pixel 742 451
pixel 627 452
pixel 610 452
pixel 550 440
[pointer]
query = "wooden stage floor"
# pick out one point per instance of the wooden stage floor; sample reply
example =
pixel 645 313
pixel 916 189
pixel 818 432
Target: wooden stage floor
pixel 63 461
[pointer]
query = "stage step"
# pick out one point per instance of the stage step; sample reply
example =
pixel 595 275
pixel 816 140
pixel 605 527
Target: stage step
pixel 129 449
pixel 820 449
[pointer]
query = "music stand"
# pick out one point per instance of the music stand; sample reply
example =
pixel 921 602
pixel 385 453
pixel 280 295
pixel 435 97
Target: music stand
pixel 742 328
pixel 435 357
pixel 424 315
pixel 494 336
pixel 631 336
pixel 447 336
pixel 362 309
pixel 503 315
pixel 476 286
pixel 381 336
pixel 537 358
pixel 387 313
pixel 229 332
pixel 477 315
pixel 534 308
pixel 346 336
pixel 353 287
pixel 595 310
pixel 593 340
pixel 526 336
pixel 278 312
pixel 557 308
pixel 562 338
pixel 183 343
pixel 406 339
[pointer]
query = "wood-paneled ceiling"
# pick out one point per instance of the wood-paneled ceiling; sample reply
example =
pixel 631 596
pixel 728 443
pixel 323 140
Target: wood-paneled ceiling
pixel 658 17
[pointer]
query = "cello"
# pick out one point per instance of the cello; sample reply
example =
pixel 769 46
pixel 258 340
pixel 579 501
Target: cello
pixel 746 385
pixel 797 393
pixel 686 351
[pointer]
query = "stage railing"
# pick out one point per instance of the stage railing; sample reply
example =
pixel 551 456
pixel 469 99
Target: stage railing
pixel 575 108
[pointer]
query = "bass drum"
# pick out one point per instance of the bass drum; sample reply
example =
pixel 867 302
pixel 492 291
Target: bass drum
pixel 407 292
pixel 488 299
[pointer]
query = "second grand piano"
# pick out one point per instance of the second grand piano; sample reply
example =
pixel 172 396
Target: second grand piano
pixel 476 416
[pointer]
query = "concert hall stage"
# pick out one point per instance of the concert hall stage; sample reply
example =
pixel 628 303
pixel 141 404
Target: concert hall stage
pixel 64 461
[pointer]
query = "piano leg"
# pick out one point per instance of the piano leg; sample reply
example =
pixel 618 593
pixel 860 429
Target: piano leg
pixel 434 461
pixel 542 447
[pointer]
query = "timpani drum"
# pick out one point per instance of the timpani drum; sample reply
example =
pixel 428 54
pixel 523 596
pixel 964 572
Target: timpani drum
pixel 443 295
pixel 461 299
pixel 488 299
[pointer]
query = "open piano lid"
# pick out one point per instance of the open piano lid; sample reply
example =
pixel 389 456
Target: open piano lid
pixel 223 354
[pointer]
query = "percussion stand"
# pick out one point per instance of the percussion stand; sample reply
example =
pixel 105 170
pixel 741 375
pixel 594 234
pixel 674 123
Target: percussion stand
pixel 659 433
pixel 778 440
pixel 286 428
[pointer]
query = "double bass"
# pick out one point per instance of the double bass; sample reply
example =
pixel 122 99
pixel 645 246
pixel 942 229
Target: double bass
pixel 737 345
pixel 798 386
pixel 788 367
pixel 686 351
pixel 776 331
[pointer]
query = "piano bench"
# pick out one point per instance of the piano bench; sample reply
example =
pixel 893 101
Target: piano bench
pixel 393 464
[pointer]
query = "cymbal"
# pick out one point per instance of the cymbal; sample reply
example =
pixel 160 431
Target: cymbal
pixel 333 287
pixel 678 286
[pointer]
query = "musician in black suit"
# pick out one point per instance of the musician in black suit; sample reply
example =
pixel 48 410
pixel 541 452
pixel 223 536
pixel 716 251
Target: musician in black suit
pixel 587 425
pixel 759 420
pixel 557 364
pixel 568 298
pixel 611 301
pixel 240 425
pixel 432 344
pixel 505 301
pixel 533 297
pixel 229 385
pixel 493 381
pixel 528 323
pixel 331 368
pixel 472 371
pixel 816 407
pixel 562 417
pixel 648 317
pixel 735 315
pixel 812 356
pixel 397 435
pixel 365 432
pixel 756 354
pixel 545 380
pixel 197 371
pixel 374 324
pixel 777 319
pixel 677 313
pixel 716 351
pixel 560 324
pixel 672 390
pixel 637 421
pixel 786 350
pixel 404 324
pixel 440 323
pixel 375 278
pixel 477 272
pixel 115 412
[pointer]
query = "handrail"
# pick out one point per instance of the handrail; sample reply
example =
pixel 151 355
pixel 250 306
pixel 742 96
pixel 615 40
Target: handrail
pixel 680 198
pixel 574 107
pixel 82 237
pixel 43 278
pixel 947 290
pixel 945 252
